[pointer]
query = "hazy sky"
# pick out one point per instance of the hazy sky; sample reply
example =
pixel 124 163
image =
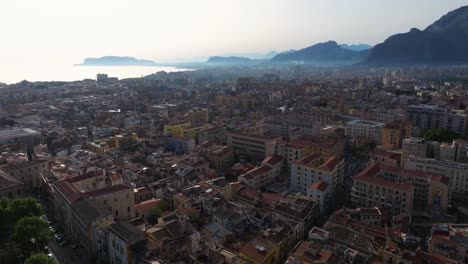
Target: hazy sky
pixel 67 31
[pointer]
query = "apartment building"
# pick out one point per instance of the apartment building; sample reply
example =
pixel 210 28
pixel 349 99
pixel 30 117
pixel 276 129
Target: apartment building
pixel 393 134
pixel 285 125
pixel 431 191
pixel 119 198
pixel 457 172
pixel 256 147
pixel 414 146
pixel 269 169
pixel 300 147
pixel 425 117
pixel 123 240
pixel 455 151
pixel 184 130
pixel 319 177
pixel 197 116
pixel 364 128
pixel 28 172
pixel 369 190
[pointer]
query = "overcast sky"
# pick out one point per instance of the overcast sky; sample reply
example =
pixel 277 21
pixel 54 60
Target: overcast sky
pixel 68 31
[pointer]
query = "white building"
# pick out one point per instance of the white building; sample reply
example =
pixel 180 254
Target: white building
pixel 457 172
pixel 369 129
pixel 319 177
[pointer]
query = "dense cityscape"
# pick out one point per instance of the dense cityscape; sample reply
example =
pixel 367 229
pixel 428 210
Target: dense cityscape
pixel 238 162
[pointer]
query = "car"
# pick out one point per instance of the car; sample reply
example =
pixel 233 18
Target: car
pixel 63 243
pixel 73 246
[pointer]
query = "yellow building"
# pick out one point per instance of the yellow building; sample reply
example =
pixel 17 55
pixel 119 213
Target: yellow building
pixel 177 129
pixel 184 130
pixel 393 134
pixel 197 116
pixel 125 139
pixel 192 131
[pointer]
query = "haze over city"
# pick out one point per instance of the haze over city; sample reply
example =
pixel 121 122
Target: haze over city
pixel 234 132
pixel 69 31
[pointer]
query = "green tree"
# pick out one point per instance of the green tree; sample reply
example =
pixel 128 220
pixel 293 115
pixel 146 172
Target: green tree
pixel 154 215
pixel 23 207
pixel 9 253
pixel 440 135
pixel 39 259
pixel 32 234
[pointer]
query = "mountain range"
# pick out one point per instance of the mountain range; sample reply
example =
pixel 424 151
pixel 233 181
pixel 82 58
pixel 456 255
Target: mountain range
pixel 356 47
pixel 329 53
pixel 445 42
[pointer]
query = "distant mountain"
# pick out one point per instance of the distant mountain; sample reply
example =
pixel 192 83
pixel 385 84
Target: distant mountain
pixel 116 61
pixel 356 47
pixel 230 59
pixel 270 54
pixel 327 53
pixel 442 43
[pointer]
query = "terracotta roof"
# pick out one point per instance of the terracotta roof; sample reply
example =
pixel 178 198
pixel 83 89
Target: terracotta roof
pixel 251 250
pixel 330 164
pixel 147 205
pixel 420 174
pixel 272 160
pixel 107 190
pixel 307 159
pixel 143 191
pixel 369 171
pixel 68 190
pixel 369 175
pixel 259 171
pixel 319 185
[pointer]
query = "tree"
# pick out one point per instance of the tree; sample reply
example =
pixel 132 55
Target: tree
pixel 23 207
pixel 154 215
pixel 32 234
pixel 440 135
pixel 39 259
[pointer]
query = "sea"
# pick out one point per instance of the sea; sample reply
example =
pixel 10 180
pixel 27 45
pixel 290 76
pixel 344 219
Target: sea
pixel 14 73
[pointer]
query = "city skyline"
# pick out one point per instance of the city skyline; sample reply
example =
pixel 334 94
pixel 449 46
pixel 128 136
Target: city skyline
pixel 55 32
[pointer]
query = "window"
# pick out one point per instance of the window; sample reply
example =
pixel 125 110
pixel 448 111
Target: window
pixel 116 212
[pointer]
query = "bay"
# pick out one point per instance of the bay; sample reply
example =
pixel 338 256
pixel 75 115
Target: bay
pixel 14 73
